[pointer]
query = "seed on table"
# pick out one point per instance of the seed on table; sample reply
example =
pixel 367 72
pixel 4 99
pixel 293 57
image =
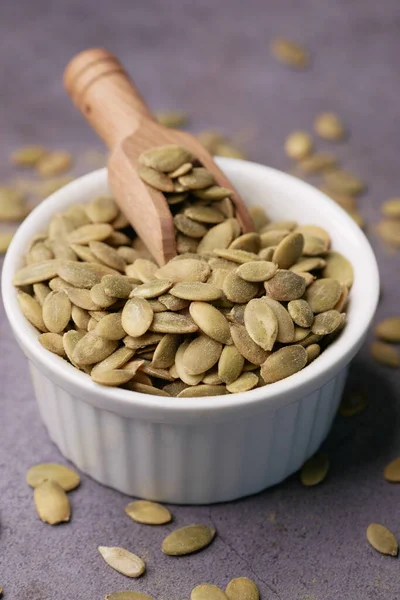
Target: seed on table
pixel 51 502
pixel 285 286
pixel 166 158
pixel 207 591
pixel 283 363
pixel 31 310
pixel 314 470
pixel 320 162
pixel 389 232
pixel 323 294
pixel 127 596
pixel 389 330
pixel 329 127
pixel 60 474
pixel 188 539
pixel 392 471
pixel 344 182
pixel 211 321
pixel 27 156
pixel 391 208
pixel 326 322
pixel 148 513
pixel 357 217
pixel 56 311
pixel 385 354
pixel 246 346
pixel 242 588
pixel 352 404
pixel 382 540
pixel 289 250
pixel 244 383
pixel 52 342
pixel 230 364
pixel 290 53
pixel 298 145
pixel 54 163
pixel 123 561
pixel 339 268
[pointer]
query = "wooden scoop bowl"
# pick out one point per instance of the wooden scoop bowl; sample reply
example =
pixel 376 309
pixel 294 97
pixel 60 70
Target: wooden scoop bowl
pixel 102 90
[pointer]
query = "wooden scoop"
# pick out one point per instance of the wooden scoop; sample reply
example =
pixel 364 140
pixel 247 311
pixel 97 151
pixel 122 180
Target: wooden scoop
pixel 102 90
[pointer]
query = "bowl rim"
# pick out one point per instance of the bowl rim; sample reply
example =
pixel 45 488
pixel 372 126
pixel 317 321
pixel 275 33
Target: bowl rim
pixel 283 392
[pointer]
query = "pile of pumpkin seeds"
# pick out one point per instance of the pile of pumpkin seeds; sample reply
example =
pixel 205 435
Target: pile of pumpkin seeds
pixel 229 313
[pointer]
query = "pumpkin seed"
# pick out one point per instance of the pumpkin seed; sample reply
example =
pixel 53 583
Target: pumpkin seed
pixel 36 273
pixel 70 340
pixel 206 591
pixel 116 360
pixel 298 145
pixel 142 388
pixel 230 364
pixel 189 227
pixel 344 182
pixel 317 163
pixel 100 298
pixel 173 389
pixel 236 256
pixel 273 237
pixel 169 322
pixel 308 264
pixel 116 286
pixel 147 339
pixel 389 232
pixel 314 470
pixel 127 596
pixel 128 254
pixel 382 540
pixel 285 324
pixel 344 200
pixel 257 271
pixel 290 53
pixel 213 193
pixel 250 242
pixel 53 163
pixel 258 217
pixel 149 369
pixel 170 302
pixel 313 351
pixel 385 354
pixel 339 268
pixel 201 355
pixel 102 210
pixel 218 237
pixel 56 311
pixel 181 371
pixel 31 310
pixel 52 342
pixel 51 502
pixel 211 321
pixel 39 252
pixel 283 363
pixel 107 255
pixel 164 354
pixel 353 404
pixel 79 275
pixel 301 312
pixel 93 232
pixel 92 349
pixel 242 588
pixel 81 298
pixel 392 471
pixel 244 383
pixel 83 252
pixel 237 289
pixel 156 179
pixel 188 539
pixel 196 290
pixel 288 250
pixel 391 208
pixel 285 286
pixel 267 253
pixel 300 333
pixel 329 127
pixel 389 330
pixel 123 561
pixel 185 168
pixel 204 214
pixel 246 346
pixel 236 315
pixel 261 323
pixel 152 289
pixel 323 294
pixel 172 118
pixel 184 270
pixel 199 391
pixel 166 158
pixel 136 317
pixel 314 246
pixel 110 327
pixel 198 179
pixel 186 244
pixel 65 477
pixel 326 322
pixel 27 156
pixel 148 513
pixel 312 338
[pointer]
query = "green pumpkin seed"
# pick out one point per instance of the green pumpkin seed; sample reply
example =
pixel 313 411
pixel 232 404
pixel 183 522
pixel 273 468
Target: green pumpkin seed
pixel 213 193
pixel 185 168
pixel 198 179
pixel 318 163
pixel 107 255
pixel 314 246
pixel 273 237
pixel 382 540
pixel 211 321
pixel 230 364
pixel 92 349
pixel 186 244
pixel 127 596
pixel 308 264
pixel 169 322
pixel 283 363
pixel 237 289
pixel 385 354
pixel 206 591
pixel 147 339
pixel 246 346
pixel 301 333
pixel 329 127
pixel 110 327
pixel 36 273
pixel 123 561
pixel 339 268
pixel 236 256
pixel 261 323
pixel 27 156
pixel 259 271
pixel 314 470
pixel 81 298
pixel 389 330
pixel 218 237
pixel 52 342
pixel 290 53
pixel 249 242
pixel 244 383
pixel 353 404
pixel 258 217
pixel 100 298
pixel 298 145
pixel 285 324
pixel 189 227
pixel 156 179
pixel 389 232
pixel 285 286
pixel 323 294
pixel 184 270
pixel 148 513
pixel 90 233
pixel 166 158
pixel 102 210
pixel 70 340
pixel 199 391
pixel 115 361
pixel 344 182
pixel 188 539
pixel 204 214
pixel 142 388
pixel 136 317
pixel 313 351
pixel 31 310
pixel 326 322
pixel 392 471
pixel 56 311
pixel 288 250
pixel 242 588
pixel 170 302
pixel 201 355
pixel 116 286
pixel 301 312
pixel 164 354
pixel 196 290
pixel 79 275
pixel 65 477
pixel 181 372
pixel 51 502
pixel 391 208
pixel 152 289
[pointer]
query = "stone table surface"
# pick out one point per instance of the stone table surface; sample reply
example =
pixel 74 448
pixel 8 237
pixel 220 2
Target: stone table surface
pixel 212 60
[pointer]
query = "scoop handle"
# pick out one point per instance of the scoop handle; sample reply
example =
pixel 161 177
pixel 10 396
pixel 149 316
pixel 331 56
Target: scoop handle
pixel 102 90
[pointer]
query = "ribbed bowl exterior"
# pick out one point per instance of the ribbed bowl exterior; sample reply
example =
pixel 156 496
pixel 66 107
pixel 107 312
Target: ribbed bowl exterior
pixel 157 461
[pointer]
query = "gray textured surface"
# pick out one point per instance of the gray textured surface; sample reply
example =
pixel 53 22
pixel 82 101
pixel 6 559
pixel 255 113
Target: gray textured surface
pixel 212 59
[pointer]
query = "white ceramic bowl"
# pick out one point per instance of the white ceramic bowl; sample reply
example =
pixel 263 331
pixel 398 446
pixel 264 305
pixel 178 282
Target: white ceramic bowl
pixel 199 450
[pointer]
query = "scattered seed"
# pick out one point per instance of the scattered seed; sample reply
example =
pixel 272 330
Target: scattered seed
pixel 389 232
pixel 206 591
pixel 344 182
pixel 27 156
pixel 385 354
pixel 392 471
pixel 283 363
pixel 391 208
pixel 172 118
pixel 127 596
pixel 51 501
pixel 148 513
pixel 242 588
pixel 290 53
pixel 123 561
pixel 329 127
pixel 319 163
pixel 298 145
pixel 382 540
pixel 389 330
pixel 53 163
pixel 187 540
pixel 314 470
pixel 353 404
pixel 65 477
